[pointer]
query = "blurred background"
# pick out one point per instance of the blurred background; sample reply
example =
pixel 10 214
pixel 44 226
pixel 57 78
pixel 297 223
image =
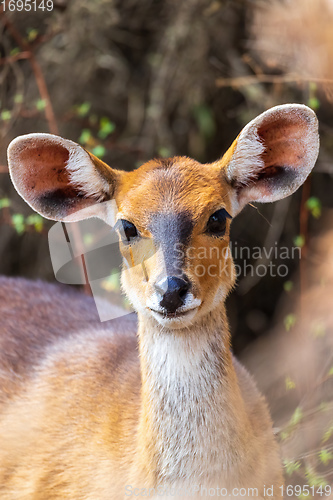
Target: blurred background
pixel 136 79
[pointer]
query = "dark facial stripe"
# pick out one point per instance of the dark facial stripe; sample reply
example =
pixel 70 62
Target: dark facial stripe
pixel 172 232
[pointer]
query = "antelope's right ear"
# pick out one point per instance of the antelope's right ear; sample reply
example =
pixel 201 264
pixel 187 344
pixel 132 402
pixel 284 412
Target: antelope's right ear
pixel 58 178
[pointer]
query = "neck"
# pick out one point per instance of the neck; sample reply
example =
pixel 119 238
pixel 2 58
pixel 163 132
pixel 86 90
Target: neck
pixel 193 418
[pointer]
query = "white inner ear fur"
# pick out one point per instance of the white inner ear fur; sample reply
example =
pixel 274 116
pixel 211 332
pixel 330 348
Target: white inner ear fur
pixel 83 172
pixel 106 211
pixel 248 158
pixel 84 175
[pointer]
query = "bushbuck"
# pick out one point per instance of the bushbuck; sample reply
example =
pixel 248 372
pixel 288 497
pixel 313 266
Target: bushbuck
pixel 153 404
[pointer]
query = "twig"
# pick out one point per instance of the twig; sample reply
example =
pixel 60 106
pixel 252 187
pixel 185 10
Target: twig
pixel 14 58
pixel 39 77
pixel 42 87
pixel 242 81
pixel 80 247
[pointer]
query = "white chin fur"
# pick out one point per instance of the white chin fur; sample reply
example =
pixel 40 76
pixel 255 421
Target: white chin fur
pixel 176 322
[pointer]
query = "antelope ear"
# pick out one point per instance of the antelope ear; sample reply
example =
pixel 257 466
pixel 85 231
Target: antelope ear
pixel 58 178
pixel 273 155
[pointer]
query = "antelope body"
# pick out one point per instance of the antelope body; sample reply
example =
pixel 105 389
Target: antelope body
pixel 139 405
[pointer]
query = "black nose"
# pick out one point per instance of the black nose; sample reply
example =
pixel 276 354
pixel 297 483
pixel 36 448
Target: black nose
pixel 173 291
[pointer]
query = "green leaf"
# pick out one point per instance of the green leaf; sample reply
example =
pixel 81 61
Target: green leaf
pixel 294 421
pixel 18 223
pixel 291 466
pixel 314 103
pixel 32 34
pixel 313 479
pixel 325 456
pixel 290 321
pixel 14 51
pixel 296 416
pixel 323 406
pixel 88 239
pixel 111 283
pixel 4 203
pixel 328 434
pixel 288 286
pixel 18 98
pixel 284 435
pixel 164 152
pixel 106 127
pixel 83 109
pixel 85 136
pixel 330 372
pixel 41 104
pixel 6 115
pixel 299 240
pixel 314 206
pixel 37 221
pixel 99 151
pixel 290 384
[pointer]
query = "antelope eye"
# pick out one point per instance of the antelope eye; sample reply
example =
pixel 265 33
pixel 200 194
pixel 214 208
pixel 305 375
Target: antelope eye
pixel 217 223
pixel 129 229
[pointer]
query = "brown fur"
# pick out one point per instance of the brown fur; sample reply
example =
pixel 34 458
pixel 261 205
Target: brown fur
pixel 72 398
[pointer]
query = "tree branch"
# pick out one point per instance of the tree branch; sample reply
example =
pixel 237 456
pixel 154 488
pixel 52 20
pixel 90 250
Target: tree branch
pixel 38 73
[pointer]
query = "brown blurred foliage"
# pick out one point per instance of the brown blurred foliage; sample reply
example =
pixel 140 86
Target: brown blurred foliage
pixel 297 37
pixel 294 368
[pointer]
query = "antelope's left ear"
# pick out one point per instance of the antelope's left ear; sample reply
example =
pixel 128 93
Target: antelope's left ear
pixel 273 155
